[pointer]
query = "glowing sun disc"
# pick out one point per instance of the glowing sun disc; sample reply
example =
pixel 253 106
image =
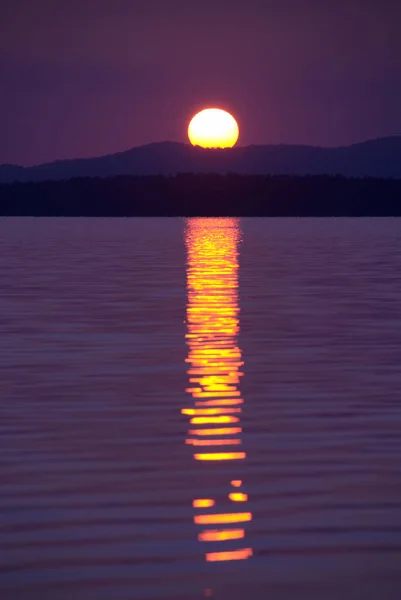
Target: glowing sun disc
pixel 213 128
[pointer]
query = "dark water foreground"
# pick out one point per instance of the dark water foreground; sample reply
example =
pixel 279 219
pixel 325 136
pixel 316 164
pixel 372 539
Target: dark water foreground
pixel 200 408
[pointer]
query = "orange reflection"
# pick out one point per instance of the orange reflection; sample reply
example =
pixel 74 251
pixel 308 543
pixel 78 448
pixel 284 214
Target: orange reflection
pixel 216 535
pixel 228 442
pixel 233 555
pixel 215 369
pixel 214 394
pixel 238 497
pixel 221 431
pixel 203 420
pixel 222 518
pixel 222 402
pixel 203 503
pixel 220 456
pixel 205 370
pixel 236 483
pixel 209 411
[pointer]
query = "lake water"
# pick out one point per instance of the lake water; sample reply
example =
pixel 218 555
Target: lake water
pixel 199 408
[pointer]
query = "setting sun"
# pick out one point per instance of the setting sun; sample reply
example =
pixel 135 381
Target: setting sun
pixel 213 128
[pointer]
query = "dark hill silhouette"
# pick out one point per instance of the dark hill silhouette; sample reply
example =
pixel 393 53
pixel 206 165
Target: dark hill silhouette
pixel 203 195
pixel 374 158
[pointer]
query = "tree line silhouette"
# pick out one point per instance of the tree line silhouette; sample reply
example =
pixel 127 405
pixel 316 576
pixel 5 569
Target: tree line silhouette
pixel 204 195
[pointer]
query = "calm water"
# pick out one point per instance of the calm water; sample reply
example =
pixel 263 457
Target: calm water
pixel 200 408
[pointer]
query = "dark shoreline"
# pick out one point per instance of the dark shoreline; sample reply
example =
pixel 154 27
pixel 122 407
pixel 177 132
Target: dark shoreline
pixel 204 195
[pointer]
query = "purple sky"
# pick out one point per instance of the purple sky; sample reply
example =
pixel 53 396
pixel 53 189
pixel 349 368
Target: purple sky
pixel 90 77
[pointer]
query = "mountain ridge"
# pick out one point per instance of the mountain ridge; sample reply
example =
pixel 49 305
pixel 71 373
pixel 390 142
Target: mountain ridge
pixel 380 157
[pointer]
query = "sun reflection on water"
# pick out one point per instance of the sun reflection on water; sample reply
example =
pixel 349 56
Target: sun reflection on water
pixel 214 371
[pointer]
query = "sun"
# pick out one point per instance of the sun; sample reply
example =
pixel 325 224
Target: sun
pixel 213 128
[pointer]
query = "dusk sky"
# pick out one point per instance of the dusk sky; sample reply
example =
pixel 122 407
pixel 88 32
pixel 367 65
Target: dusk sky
pixel 90 77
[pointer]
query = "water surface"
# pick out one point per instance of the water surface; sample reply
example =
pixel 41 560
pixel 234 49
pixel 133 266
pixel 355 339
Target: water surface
pixel 200 408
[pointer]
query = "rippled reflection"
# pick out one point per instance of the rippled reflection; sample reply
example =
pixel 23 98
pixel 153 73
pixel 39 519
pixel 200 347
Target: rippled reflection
pixel 219 535
pixel 214 371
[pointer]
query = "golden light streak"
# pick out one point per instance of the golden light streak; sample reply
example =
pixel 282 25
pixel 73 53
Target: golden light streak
pixel 218 387
pixel 214 367
pixel 238 497
pixel 203 503
pixel 222 402
pixel 205 420
pixel 218 519
pixel 233 555
pixel 215 394
pixel 221 456
pixel 222 379
pixel 210 411
pixel 194 442
pixel 221 368
pixel 220 431
pixel 216 535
